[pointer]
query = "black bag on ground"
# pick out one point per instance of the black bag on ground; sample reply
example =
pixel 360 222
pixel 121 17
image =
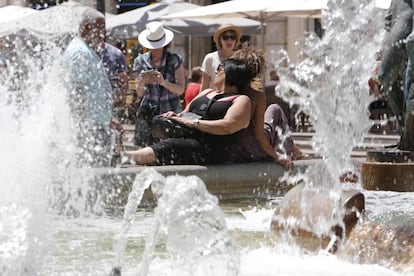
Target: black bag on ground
pixel 163 128
pixel 143 125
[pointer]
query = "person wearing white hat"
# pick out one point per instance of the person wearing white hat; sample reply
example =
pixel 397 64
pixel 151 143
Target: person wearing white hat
pixel 227 37
pixel 160 79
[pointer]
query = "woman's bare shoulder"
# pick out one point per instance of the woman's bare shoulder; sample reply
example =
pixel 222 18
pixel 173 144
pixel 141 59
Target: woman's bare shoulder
pixel 207 91
pixel 255 95
pixel 243 98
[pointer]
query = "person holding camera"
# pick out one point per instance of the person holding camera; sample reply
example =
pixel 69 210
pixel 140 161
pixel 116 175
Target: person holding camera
pixel 160 79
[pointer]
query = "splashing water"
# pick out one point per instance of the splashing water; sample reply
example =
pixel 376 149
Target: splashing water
pixel 30 133
pixel 197 233
pixel 142 182
pixel 40 180
pixel 194 226
pixel 39 175
pixel 330 84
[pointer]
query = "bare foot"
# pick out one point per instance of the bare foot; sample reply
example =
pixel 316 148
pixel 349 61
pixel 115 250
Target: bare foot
pixel 285 162
pixel 299 155
pixel 129 157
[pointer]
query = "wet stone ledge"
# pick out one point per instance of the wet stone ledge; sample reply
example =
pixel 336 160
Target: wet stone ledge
pixel 388 170
pixel 246 180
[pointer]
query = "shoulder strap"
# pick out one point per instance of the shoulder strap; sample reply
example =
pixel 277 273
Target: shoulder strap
pixel 227 98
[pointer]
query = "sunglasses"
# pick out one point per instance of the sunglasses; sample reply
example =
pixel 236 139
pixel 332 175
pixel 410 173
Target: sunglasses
pixel 227 37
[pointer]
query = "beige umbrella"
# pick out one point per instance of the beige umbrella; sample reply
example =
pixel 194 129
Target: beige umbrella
pixel 261 10
pixel 129 24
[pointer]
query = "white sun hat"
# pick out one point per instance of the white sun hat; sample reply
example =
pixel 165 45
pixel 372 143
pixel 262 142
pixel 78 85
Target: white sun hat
pixel 155 36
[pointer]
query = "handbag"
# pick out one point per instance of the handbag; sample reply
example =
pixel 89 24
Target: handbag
pixel 163 128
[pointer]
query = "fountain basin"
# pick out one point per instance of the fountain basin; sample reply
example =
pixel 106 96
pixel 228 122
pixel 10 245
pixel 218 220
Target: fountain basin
pixel 384 176
pixel 229 181
pixel 388 170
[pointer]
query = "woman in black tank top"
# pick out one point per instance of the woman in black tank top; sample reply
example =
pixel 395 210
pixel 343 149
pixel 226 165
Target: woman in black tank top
pixel 228 113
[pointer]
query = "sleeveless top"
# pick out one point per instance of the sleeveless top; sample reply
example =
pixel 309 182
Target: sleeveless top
pixel 215 109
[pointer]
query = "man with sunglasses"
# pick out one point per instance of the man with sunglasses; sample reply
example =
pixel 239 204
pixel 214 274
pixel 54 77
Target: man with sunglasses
pixel 227 37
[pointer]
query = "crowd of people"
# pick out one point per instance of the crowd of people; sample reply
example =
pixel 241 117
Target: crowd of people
pixel 238 127
pixel 232 123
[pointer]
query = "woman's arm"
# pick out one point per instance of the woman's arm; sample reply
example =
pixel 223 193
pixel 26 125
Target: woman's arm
pixel 237 117
pixel 259 134
pixel 140 81
pixel 205 81
pixel 177 88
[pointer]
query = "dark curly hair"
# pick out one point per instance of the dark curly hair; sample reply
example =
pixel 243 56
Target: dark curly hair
pixel 254 59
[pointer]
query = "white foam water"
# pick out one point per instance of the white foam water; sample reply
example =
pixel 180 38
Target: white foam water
pixel 46 226
pixel 39 175
pixel 194 227
pixel 330 84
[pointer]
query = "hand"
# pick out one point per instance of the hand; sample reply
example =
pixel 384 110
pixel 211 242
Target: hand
pixel 157 77
pixel 148 77
pixel 168 114
pixel 285 161
pixel 184 121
